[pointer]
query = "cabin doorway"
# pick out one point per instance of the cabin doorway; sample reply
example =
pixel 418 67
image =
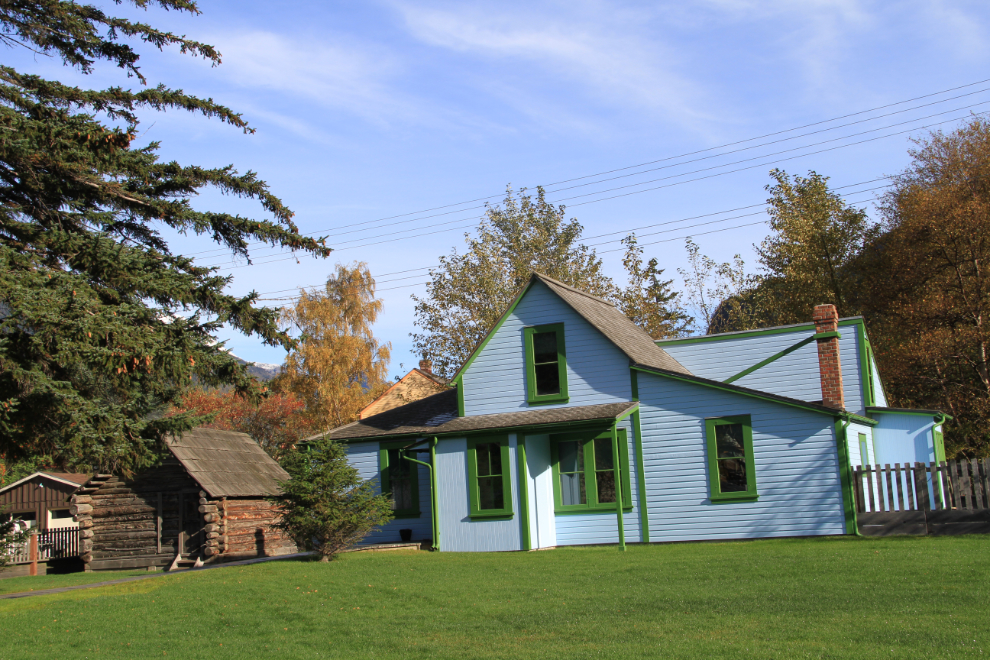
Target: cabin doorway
pixel 191 525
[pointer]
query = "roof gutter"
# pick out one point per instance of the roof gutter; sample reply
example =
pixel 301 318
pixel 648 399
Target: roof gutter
pixel 434 504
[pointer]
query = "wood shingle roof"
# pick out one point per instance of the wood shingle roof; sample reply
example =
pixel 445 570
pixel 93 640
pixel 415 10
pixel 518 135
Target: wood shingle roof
pixel 227 463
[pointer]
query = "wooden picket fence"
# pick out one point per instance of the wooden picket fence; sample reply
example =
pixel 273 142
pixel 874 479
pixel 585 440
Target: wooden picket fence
pixel 952 497
pixel 51 544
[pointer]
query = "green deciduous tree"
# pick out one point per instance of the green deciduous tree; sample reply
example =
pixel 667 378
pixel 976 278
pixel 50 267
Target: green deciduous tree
pixel 326 506
pixel 468 292
pixel 338 366
pixel 648 299
pixel 814 237
pixel 101 324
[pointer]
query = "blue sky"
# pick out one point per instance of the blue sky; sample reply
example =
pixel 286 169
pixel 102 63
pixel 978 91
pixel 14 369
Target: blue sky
pixel 372 110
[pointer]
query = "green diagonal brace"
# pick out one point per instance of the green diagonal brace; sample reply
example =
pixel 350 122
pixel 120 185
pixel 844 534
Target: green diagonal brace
pixel 773 358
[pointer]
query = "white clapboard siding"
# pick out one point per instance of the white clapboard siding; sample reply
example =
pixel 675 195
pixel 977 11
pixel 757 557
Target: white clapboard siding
pixel 901 438
pixel 797 469
pixel 363 456
pixel 458 532
pixel 795 375
pixel 597 372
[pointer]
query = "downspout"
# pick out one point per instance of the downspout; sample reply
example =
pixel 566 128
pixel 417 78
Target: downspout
pixel 618 488
pixel 434 507
pixel 845 476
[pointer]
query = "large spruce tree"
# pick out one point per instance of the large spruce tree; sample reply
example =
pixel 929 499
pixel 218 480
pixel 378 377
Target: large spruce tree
pixel 101 325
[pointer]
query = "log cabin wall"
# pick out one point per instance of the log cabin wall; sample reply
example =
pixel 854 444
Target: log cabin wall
pixel 136 523
pixel 246 530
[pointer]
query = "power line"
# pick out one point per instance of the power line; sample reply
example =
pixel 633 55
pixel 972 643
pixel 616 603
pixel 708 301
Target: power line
pixel 666 240
pixel 621 169
pixel 470 221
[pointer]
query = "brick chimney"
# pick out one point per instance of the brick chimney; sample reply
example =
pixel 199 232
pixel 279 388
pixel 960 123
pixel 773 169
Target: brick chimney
pixel 827 324
pixel 426 365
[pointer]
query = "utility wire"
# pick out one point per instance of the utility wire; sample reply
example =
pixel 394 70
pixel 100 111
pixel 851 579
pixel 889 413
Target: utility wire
pixel 471 221
pixel 639 165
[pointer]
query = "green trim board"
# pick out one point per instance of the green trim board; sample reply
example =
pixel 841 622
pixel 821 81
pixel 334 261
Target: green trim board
pixel 634 385
pixel 390 455
pixel 459 384
pixel 546 368
pixel 776 330
pixel 619 483
pixel 489 477
pixel 523 491
pixel 588 462
pixel 865 366
pixel 498 324
pixel 755 394
pixel 725 439
pixel 772 358
pixel 864 450
pixel 875 410
pixel 644 514
pixel 845 475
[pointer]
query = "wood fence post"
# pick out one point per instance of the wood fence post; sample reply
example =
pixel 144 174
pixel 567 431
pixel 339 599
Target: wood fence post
pixel 33 553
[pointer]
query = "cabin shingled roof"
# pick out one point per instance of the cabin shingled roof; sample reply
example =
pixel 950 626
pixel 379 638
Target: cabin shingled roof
pixel 437 415
pixel 227 463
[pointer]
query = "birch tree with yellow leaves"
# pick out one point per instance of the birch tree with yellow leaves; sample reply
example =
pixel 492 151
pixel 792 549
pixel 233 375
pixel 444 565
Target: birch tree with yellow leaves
pixel 338 366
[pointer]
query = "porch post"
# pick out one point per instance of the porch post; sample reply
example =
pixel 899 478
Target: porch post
pixel 33 553
pixel 618 488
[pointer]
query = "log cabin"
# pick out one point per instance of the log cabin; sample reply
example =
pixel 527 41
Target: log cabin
pixel 205 503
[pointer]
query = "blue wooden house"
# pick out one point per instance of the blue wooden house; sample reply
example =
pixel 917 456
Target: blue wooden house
pixel 569 425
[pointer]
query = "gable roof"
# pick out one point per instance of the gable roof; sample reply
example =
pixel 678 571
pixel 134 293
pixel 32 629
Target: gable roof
pixel 67 478
pixel 628 337
pixel 633 341
pixel 429 377
pixel 437 415
pixel 228 464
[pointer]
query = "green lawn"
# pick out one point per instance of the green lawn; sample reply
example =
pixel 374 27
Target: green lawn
pixel 820 598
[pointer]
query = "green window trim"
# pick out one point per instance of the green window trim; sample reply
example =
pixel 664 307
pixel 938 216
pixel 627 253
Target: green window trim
pixel 532 396
pixel 488 472
pixel 388 454
pixel 716 494
pixel 589 471
pixel 864 450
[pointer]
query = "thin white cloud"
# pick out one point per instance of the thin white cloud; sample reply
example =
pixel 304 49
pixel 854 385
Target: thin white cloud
pixel 600 52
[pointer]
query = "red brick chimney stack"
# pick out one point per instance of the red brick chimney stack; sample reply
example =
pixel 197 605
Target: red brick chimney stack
pixel 426 365
pixel 827 323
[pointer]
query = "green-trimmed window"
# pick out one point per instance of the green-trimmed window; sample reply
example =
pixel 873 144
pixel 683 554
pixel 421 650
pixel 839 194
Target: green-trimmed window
pixel 584 472
pixel 864 450
pixel 731 470
pixel 546 364
pixel 489 480
pixel 400 478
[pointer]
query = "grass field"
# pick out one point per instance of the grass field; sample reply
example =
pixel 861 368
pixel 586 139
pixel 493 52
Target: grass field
pixel 800 598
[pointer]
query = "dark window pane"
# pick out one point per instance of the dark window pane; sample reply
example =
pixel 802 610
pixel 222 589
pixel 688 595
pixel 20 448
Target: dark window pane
pixel 729 441
pixel 732 475
pixel 544 347
pixel 484 464
pixel 402 493
pixel 606 486
pixel 489 459
pixel 547 379
pixel 603 454
pixel 570 457
pixel 490 493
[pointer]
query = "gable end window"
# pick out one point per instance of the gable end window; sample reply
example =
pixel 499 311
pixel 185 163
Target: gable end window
pixel 489 480
pixel 584 472
pixel 546 364
pixel 400 478
pixel 731 469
